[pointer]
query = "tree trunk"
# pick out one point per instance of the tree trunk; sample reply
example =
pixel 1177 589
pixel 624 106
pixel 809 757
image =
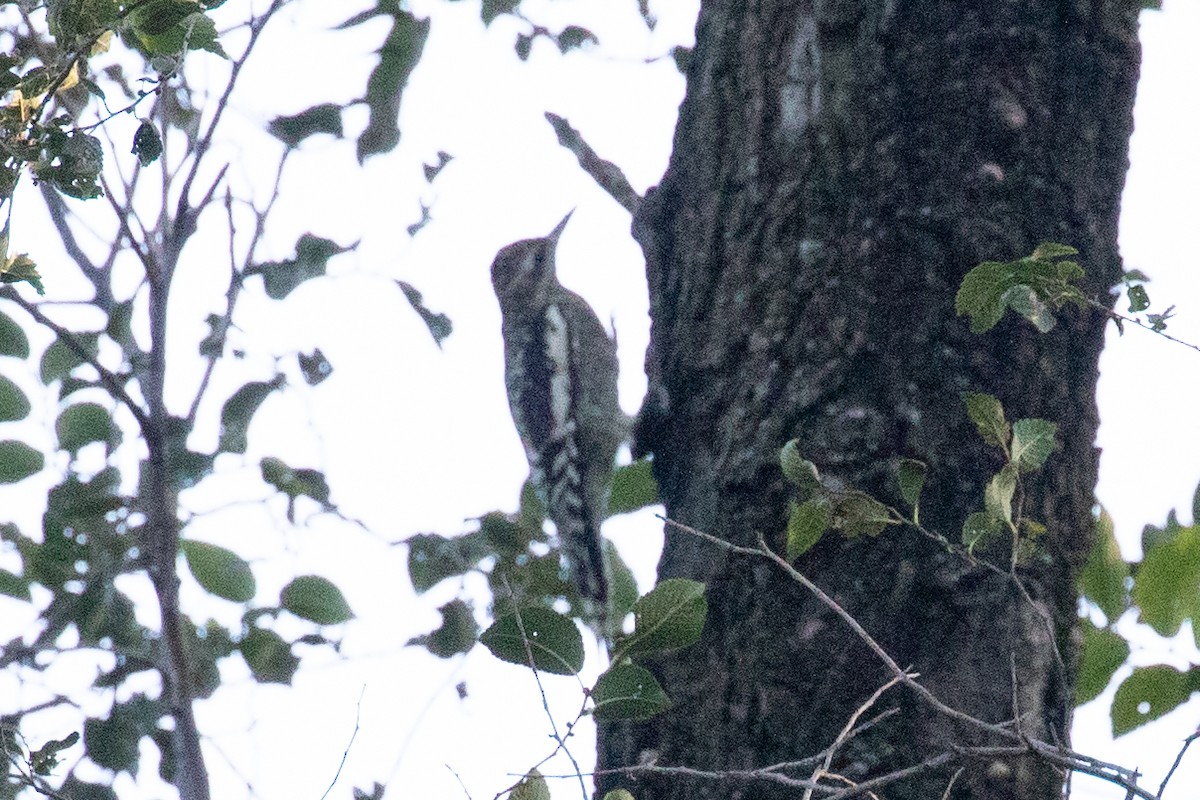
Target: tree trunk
pixel 837 168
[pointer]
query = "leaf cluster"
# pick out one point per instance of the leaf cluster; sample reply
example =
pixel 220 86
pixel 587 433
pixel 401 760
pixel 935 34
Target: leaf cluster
pixel 1164 590
pixel 522 568
pixel 1035 287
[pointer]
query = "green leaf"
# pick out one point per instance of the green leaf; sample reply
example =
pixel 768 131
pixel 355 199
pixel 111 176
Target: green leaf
pixel 619 794
pixel 147 143
pixel 238 411
pixel 1167 581
pixel 998 496
pixel 432 558
pixel 398 56
pixel 295 482
pixel 1026 302
pixel 71 163
pixel 294 129
pixel 1102 580
pixel 120 318
pixel 1048 251
pixel 315 367
pixel 457 634
pixel 633 488
pixel 438 324
pixel 13 341
pixel 1139 300
pixel 1033 441
pixel 13 585
pixel 20 268
pixel 622 587
pixel 911 476
pixel 14 405
pixel 221 572
pixel 532 511
pixel 980 295
pixel 1147 694
pixel 170 28
pixel 807 522
pixel 979 529
pixel 490 9
pixel 316 599
pixel 71 20
pixel 280 278
pixel 627 691
pixel 84 423
pixel 550 638
pixel 798 470
pixel 1103 654
pixel 59 359
pixel 113 743
pixel 45 758
pixel 988 415
pixel 573 37
pixel 670 616
pixel 268 656
pixel 532 787
pixel 858 514
pixel 18 461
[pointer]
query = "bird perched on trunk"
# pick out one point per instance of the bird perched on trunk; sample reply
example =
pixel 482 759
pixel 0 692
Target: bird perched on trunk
pixel 560 369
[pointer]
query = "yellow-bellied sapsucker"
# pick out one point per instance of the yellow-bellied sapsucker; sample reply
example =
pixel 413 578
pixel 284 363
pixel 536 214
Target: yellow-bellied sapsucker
pixel 561 374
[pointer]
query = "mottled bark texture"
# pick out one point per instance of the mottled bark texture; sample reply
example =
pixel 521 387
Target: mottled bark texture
pixel 837 168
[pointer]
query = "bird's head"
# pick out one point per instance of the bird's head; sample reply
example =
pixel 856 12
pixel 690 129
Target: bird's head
pixel 525 269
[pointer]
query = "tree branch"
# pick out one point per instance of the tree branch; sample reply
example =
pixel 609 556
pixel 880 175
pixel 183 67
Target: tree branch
pixel 606 174
pixel 109 379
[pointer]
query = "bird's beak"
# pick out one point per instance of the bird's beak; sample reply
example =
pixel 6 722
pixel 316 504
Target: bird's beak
pixel 558 229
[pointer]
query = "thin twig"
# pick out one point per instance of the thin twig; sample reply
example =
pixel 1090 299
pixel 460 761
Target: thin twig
pixel 845 733
pixel 953 780
pixel 558 737
pixel 346 753
pixel 1178 758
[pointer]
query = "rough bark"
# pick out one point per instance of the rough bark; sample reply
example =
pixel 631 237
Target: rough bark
pixel 838 167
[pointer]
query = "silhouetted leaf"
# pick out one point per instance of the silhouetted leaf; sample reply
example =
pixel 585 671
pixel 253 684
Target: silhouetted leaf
pixel 13 341
pixel 457 634
pixel 14 405
pixel 221 572
pixel 316 599
pixel 633 488
pixel 147 143
pixel 239 410
pixel 83 423
pixel 18 461
pixel 438 324
pixel 398 56
pixel 268 656
pixel 323 118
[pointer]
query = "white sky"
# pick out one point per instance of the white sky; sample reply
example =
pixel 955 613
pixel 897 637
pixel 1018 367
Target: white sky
pixel 416 439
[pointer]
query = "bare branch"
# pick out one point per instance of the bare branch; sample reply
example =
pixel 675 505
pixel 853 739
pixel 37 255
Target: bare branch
pixel 606 174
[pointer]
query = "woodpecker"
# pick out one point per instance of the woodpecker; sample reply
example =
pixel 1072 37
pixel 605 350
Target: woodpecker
pixel 560 369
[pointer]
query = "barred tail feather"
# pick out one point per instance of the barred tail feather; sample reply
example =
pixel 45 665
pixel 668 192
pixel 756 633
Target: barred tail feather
pixel 578 525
